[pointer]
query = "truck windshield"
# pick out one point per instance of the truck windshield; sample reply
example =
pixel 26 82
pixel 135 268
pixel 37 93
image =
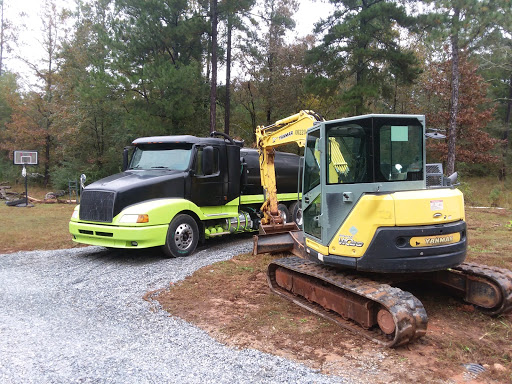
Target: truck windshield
pixel 157 157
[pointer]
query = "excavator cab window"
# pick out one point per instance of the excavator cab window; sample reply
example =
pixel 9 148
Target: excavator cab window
pixel 347 154
pixel 384 149
pixel 400 153
pixel 312 192
pixel 312 162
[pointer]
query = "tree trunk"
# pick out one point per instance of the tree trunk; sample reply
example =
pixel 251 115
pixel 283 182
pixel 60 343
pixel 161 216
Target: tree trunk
pixel 228 79
pixel 49 100
pixel 506 133
pixel 270 87
pixel 359 81
pixel 47 157
pixel 454 107
pixel 2 40
pixel 213 88
pixel 360 69
pixel 252 108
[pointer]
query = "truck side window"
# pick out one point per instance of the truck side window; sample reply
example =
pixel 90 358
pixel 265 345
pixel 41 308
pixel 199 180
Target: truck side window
pixel 198 168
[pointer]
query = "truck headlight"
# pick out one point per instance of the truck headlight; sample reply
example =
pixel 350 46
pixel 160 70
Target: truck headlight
pixel 134 219
pixel 74 215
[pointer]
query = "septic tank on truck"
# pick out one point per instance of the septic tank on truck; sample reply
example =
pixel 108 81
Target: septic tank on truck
pixel 179 190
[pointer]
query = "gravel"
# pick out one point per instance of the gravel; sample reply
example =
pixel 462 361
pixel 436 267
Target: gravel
pixel 78 316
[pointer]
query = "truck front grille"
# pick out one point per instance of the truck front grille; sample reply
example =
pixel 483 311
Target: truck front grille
pixel 97 206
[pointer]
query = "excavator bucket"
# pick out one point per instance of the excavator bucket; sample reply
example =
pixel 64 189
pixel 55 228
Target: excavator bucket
pixel 278 228
pixel 279 238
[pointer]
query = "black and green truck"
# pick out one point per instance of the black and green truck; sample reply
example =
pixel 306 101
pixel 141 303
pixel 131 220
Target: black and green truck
pixel 178 190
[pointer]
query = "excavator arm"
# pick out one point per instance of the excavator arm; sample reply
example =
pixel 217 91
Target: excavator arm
pixel 289 130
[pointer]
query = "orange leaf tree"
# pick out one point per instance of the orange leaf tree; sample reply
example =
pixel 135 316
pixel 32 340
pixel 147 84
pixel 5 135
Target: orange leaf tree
pixel 474 143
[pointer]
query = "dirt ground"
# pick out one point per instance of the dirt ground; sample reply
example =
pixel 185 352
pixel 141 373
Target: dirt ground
pixel 232 302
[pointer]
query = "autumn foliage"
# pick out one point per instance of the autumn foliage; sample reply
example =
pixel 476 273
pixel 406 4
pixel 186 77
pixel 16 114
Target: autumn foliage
pixel 474 144
pixel 112 73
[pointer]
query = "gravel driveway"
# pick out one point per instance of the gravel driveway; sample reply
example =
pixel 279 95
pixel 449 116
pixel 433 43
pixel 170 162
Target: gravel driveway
pixel 77 316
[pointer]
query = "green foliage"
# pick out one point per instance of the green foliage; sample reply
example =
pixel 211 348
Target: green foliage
pixel 132 68
pixel 360 57
pixel 477 169
pixel 157 53
pixel 8 171
pixel 467 191
pixel 8 88
pixel 466 19
pixel 494 196
pixel 64 173
pixel 274 70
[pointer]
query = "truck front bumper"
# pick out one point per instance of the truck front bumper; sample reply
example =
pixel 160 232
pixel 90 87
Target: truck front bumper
pixel 117 236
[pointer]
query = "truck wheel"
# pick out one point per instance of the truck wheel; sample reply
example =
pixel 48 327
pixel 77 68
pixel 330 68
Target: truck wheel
pixel 182 237
pixel 296 213
pixel 285 213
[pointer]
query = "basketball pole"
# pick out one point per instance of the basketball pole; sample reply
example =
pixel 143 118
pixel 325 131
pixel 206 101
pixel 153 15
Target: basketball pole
pixel 24 173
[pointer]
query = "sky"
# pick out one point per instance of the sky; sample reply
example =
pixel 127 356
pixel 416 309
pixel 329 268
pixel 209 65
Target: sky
pixel 310 11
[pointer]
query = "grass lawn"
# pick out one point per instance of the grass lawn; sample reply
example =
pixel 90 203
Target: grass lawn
pixel 43 226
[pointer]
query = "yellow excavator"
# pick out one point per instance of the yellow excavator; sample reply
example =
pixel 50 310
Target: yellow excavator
pixel 369 223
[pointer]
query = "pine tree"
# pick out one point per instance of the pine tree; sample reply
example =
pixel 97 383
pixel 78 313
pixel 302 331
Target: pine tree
pixel 460 23
pixel 360 56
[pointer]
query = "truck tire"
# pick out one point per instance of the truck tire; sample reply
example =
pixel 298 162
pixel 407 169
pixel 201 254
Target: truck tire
pixel 296 213
pixel 285 213
pixel 182 237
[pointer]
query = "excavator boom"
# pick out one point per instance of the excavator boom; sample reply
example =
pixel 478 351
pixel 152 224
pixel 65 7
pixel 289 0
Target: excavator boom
pixel 289 130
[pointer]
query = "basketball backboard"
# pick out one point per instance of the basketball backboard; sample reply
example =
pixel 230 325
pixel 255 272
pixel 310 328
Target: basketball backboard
pixel 25 157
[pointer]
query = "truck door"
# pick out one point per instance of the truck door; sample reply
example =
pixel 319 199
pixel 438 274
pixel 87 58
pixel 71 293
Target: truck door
pixel 208 184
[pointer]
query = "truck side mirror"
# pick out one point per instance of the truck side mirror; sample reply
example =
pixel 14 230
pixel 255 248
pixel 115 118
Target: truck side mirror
pixel 207 160
pixel 82 181
pixel 244 176
pixel 126 151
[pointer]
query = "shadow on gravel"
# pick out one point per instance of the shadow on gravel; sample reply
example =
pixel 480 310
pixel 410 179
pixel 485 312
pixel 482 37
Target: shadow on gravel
pixel 124 256
pixel 155 255
pixel 224 240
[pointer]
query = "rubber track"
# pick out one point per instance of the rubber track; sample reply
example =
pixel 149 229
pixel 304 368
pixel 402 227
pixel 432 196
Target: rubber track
pixel 408 313
pixel 499 276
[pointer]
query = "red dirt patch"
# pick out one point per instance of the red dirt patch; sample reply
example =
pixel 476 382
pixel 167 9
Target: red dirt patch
pixel 231 301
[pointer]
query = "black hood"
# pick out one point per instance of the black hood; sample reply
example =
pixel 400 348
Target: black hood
pixel 121 182
pixel 131 187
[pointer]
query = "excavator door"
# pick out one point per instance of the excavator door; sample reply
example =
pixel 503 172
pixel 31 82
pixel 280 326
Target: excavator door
pixel 312 186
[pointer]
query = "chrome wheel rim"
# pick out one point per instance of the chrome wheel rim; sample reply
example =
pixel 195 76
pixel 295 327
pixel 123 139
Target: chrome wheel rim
pixel 298 219
pixel 183 236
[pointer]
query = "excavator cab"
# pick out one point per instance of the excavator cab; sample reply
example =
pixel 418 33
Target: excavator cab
pixel 365 198
pixel 377 152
